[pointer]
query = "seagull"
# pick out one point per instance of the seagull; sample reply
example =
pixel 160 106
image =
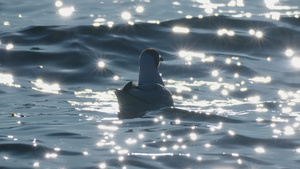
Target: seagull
pixel 149 93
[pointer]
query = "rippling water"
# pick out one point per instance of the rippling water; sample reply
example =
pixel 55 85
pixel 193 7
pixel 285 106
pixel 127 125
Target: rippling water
pixel 233 67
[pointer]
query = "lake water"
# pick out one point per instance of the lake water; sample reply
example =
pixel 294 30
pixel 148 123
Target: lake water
pixel 233 67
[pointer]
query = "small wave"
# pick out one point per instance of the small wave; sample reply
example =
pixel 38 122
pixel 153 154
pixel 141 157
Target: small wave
pixel 191 116
pixel 241 140
pixel 30 151
pixel 70 54
pixel 66 135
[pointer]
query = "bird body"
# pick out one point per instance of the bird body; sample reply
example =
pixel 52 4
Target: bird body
pixel 149 94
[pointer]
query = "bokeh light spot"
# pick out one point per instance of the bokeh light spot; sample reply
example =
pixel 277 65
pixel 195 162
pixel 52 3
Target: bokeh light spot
pixel 9 46
pixel 66 11
pixel 126 15
pixel 289 52
pixel 140 9
pixel 296 62
pixel 58 3
pixel 101 64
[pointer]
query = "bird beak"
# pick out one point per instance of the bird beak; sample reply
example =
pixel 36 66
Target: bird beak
pixel 161 59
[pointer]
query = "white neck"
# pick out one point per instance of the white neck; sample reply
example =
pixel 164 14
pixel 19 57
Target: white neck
pixel 148 72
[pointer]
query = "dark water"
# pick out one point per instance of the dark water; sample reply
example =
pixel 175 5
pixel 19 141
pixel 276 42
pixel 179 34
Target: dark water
pixel 235 81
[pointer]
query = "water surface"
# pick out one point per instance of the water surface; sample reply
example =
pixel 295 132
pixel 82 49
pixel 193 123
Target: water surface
pixel 232 66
